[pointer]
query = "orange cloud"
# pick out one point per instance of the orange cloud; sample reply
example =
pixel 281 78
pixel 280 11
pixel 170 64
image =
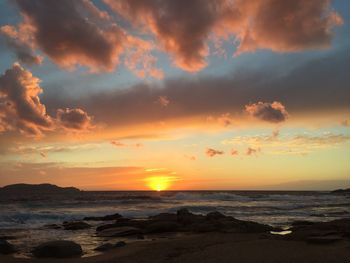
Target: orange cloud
pixel 21 109
pixel 183 28
pixel 212 152
pixel 20 105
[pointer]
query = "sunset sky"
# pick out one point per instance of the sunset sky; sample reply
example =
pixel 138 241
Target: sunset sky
pixel 163 94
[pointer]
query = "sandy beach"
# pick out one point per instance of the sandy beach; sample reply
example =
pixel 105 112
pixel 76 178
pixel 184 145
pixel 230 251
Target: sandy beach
pixel 215 247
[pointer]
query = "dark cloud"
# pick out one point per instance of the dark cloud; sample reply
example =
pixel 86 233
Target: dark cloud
pixel 73 33
pixel 74 119
pixel 212 152
pixel 313 86
pixel 271 112
pixel 19 44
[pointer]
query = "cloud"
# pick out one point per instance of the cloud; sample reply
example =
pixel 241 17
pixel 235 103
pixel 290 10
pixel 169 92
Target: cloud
pixel 163 101
pixel 121 144
pixel 190 157
pixel 345 123
pixel 74 119
pixel 251 151
pixel 212 152
pixel 20 44
pixel 21 109
pixel 20 105
pixel 297 144
pixel 225 119
pixel 313 80
pixel 73 33
pixel 270 112
pixel 184 28
pixel 234 152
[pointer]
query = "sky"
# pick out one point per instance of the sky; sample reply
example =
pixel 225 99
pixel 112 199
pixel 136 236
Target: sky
pixel 175 95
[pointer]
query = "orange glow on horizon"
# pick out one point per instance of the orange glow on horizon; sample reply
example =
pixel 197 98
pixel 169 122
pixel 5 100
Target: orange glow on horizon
pixel 160 183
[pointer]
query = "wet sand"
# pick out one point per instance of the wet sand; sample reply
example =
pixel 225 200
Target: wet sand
pixel 215 247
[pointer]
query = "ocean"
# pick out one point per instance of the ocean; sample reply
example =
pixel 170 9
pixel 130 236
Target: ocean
pixel 23 219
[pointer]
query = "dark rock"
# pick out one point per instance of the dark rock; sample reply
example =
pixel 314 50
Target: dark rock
pixel 185 217
pixel 302 223
pixel 140 236
pixel 109 246
pixel 6 247
pixel 58 249
pixel 339 227
pixel 323 240
pixel 161 227
pixel 119 232
pixel 52 226
pixel 120 244
pixel 103 218
pixel 215 216
pixel 183 212
pixel 104 247
pixel 76 225
pixel 164 217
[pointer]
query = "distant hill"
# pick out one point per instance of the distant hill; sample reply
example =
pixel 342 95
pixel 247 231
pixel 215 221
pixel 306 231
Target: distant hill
pixel 37 189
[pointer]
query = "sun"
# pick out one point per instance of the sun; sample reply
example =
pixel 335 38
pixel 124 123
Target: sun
pixel 159 183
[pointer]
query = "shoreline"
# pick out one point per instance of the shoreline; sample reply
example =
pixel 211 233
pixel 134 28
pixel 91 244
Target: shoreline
pixel 213 247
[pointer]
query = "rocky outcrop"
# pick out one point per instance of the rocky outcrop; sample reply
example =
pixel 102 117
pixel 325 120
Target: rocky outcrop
pixel 119 232
pixel 109 246
pixel 6 247
pixel 103 218
pixel 182 221
pixel 321 232
pixel 58 249
pixel 75 225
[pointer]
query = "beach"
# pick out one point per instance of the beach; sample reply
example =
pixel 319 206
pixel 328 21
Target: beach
pixel 186 227
pixel 215 247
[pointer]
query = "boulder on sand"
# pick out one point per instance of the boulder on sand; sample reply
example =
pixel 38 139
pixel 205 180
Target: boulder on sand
pixel 109 246
pixel 119 232
pixel 6 247
pixel 103 218
pixel 76 225
pixel 57 249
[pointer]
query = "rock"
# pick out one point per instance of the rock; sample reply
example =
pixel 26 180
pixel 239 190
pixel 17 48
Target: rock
pixel 52 226
pixel 120 244
pixel 119 232
pixel 164 217
pixel 215 216
pixel 302 223
pixel 185 217
pixel 323 240
pixel 140 236
pixel 183 212
pixel 57 249
pixel 103 218
pixel 76 225
pixel 109 246
pixel 6 247
pixel 161 227
pixel 104 247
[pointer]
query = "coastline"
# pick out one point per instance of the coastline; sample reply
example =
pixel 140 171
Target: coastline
pixel 214 247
